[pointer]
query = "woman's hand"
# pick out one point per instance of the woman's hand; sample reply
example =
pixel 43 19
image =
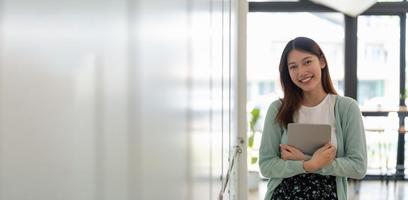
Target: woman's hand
pixel 291 153
pixel 321 158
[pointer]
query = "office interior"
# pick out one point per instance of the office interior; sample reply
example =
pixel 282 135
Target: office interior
pixel 142 99
pixel 366 52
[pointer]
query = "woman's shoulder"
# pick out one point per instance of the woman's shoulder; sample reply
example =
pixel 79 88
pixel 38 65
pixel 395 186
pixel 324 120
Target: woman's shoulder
pixel 344 103
pixel 274 106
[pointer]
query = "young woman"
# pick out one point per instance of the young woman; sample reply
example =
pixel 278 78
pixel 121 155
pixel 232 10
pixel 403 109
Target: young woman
pixel 309 97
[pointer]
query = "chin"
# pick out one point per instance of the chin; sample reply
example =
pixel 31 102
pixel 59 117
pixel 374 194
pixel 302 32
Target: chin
pixel 308 88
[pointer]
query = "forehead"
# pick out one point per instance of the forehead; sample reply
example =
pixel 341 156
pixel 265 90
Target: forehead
pixel 297 55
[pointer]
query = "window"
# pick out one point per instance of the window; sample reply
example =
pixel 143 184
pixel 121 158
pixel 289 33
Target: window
pixel 378 62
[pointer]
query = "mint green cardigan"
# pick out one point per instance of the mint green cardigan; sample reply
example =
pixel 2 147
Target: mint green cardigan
pixel 351 157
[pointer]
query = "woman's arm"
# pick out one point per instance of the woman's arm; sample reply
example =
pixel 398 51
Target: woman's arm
pixel 270 163
pixel 354 162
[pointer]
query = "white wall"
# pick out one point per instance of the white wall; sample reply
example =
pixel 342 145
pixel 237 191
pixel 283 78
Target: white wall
pixel 117 99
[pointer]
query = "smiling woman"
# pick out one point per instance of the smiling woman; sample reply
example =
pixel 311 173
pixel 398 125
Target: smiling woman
pixel 265 44
pixel 309 97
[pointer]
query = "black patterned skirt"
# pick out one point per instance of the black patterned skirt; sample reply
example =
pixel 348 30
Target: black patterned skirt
pixel 306 187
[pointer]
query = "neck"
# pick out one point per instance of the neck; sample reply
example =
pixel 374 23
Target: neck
pixel 313 98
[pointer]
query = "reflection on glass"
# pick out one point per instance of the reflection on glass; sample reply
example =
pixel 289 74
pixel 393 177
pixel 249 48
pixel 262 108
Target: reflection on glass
pixel 378 62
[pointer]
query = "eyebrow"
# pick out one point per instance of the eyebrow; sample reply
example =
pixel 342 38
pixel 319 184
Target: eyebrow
pixel 307 57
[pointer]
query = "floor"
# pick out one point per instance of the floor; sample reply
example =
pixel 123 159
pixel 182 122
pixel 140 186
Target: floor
pixel 371 190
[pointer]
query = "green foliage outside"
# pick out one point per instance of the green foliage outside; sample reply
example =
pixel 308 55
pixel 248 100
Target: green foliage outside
pixel 255 113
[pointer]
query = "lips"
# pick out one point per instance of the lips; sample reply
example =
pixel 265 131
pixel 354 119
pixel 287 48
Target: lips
pixel 305 79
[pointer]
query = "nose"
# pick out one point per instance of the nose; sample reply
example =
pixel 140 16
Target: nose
pixel 301 70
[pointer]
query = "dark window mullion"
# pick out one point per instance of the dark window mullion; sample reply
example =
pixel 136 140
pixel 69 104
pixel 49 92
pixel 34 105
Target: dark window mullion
pixel 401 136
pixel 402 58
pixel 379 8
pixel 350 54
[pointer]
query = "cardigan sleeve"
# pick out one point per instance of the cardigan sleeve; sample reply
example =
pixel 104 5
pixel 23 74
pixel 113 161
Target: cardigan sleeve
pixel 354 162
pixel 270 163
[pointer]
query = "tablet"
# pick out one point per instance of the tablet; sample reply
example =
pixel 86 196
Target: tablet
pixel 308 137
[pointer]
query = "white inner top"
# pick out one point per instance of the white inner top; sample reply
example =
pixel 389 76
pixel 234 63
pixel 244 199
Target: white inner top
pixel 323 113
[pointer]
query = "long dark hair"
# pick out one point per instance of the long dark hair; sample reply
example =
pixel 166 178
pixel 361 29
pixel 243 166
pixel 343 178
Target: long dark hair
pixel 292 94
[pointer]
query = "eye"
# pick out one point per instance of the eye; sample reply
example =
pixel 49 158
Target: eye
pixel 307 62
pixel 291 67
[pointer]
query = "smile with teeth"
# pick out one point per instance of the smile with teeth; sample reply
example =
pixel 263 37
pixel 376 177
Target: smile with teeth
pixel 305 79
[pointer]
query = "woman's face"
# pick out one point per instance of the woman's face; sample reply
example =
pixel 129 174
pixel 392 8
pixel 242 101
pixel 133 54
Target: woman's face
pixel 305 70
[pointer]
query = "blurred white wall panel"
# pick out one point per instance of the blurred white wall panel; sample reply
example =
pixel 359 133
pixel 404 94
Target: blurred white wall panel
pixel 219 158
pixel 163 74
pixel 63 104
pixel 115 99
pixel 200 101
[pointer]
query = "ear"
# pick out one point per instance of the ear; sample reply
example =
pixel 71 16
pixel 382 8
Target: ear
pixel 322 63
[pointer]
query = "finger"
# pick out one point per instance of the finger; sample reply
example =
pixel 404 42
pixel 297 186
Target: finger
pixel 284 156
pixel 283 150
pixel 332 148
pixel 321 149
pixel 285 146
pixel 328 145
pixel 334 152
pixel 325 147
pixel 329 150
pixel 291 148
